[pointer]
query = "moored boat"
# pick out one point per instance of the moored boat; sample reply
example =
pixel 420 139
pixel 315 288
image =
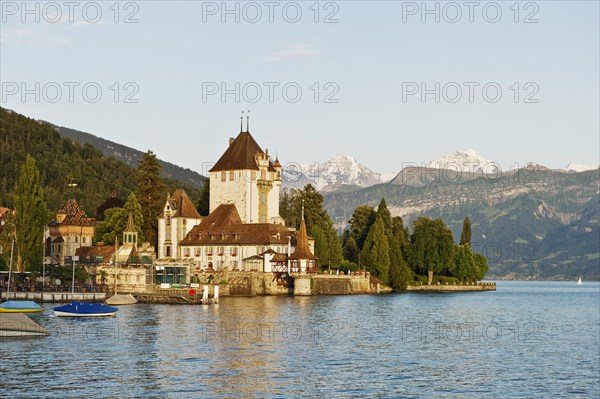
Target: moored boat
pixel 19 325
pixel 85 309
pixel 20 307
pixel 121 299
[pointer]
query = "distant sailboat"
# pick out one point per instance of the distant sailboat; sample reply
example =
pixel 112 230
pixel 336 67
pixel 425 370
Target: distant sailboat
pixel 579 282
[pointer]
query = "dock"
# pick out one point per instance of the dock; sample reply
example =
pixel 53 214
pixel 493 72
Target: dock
pixel 54 297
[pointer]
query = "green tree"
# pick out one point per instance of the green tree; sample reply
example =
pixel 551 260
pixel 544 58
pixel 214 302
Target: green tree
pixel 328 247
pixel 7 235
pixel 347 266
pixel 351 250
pixel 360 223
pixel 481 266
pixel 116 221
pixel 384 213
pixel 203 204
pixel 466 269
pixel 30 217
pixel 375 255
pixel 431 247
pixel 111 202
pixel 465 236
pixel 151 192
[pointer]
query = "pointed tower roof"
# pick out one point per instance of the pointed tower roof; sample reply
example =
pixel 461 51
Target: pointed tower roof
pixel 240 155
pixel 302 250
pixel 130 226
pixel 183 205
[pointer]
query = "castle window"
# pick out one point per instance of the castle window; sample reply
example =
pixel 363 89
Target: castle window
pixel 168 251
pixel 168 220
pixel 223 176
pixel 231 175
pixel 186 252
pixel 197 252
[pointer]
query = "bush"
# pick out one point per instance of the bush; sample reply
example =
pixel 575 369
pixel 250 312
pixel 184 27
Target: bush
pixel 346 266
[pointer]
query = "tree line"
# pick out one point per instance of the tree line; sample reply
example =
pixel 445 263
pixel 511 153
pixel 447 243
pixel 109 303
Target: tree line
pixel 381 244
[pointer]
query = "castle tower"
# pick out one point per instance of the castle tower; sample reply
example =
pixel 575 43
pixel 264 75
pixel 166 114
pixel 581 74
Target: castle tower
pixel 246 177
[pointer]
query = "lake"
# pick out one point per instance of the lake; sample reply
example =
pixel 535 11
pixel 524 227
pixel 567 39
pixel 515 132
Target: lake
pixel 526 340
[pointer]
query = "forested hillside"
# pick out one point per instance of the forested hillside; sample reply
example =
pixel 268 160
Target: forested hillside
pixel 68 169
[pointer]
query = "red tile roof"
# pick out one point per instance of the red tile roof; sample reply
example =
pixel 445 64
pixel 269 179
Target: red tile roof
pixel 240 155
pixel 74 215
pixel 106 251
pixel 224 227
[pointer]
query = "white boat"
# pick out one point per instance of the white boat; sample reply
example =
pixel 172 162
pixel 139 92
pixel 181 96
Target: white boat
pixel 579 282
pixel 85 309
pixel 121 299
pixel 19 325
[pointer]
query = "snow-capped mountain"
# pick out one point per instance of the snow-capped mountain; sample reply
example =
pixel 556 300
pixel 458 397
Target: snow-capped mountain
pixel 467 160
pixel 341 169
pixel 576 167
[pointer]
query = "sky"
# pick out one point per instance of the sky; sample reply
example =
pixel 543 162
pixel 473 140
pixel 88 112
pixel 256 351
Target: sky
pixel 387 82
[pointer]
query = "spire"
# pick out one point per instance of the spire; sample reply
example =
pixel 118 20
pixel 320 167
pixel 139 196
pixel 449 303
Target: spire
pixel 130 226
pixel 302 250
pixel 302 211
pixel 248 122
pixel 242 122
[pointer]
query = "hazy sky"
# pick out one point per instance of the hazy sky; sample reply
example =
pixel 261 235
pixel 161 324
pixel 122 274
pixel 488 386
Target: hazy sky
pixel 369 74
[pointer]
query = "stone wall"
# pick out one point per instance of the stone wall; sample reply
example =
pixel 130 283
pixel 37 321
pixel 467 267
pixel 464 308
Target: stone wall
pixel 453 287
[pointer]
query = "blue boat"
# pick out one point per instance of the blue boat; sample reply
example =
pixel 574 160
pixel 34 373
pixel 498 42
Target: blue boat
pixel 85 309
pixel 20 307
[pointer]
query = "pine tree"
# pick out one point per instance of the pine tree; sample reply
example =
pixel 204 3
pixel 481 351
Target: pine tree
pixel 203 204
pixel 30 217
pixel 360 223
pixel 351 250
pixel 150 193
pixel 465 236
pixel 375 255
pixel 384 213
pixel 328 247
pixel 431 247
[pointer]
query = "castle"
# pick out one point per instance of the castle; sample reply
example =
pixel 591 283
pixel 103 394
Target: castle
pixel 243 231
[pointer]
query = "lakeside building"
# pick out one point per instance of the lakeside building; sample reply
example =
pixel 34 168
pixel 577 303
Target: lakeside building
pixel 243 232
pixel 69 230
pixel 128 264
